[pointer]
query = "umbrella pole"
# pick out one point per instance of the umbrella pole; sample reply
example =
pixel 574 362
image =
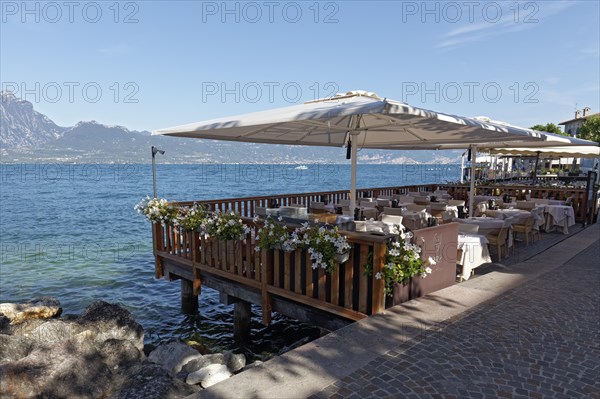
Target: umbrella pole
pixel 472 190
pixel 353 173
pixel 537 160
pixel 462 168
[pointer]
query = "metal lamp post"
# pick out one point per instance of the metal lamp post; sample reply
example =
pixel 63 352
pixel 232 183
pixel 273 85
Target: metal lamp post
pixel 154 152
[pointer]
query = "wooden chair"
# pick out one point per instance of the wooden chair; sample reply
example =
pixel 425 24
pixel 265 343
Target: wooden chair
pixel 526 228
pixel 500 240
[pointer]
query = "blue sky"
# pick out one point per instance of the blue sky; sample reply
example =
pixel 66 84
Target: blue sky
pixel 153 64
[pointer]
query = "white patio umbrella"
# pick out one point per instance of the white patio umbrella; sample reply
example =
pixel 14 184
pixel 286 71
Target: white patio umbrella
pixel 575 151
pixel 358 119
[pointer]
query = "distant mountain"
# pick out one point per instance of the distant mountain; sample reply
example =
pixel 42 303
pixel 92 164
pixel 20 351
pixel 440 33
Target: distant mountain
pixel 28 136
pixel 22 126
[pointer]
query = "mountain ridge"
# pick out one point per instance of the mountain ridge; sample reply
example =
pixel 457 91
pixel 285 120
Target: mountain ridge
pixel 29 136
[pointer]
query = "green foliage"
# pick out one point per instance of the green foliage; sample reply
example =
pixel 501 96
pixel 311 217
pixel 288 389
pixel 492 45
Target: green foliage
pixel 272 235
pixel 590 130
pixel 226 226
pixel 550 128
pixel 323 244
pixel 194 218
pixel 402 262
pixel 157 210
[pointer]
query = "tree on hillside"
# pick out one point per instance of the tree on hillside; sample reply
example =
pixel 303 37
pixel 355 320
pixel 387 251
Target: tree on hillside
pixel 550 128
pixel 590 130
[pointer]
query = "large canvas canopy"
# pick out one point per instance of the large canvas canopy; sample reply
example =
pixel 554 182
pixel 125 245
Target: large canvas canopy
pixel 570 152
pixel 375 122
pixel 367 121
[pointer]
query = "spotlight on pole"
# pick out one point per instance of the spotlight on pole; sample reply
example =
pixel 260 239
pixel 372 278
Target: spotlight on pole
pixel 154 152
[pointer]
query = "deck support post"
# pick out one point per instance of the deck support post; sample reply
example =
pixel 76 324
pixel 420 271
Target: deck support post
pixel 189 301
pixel 242 314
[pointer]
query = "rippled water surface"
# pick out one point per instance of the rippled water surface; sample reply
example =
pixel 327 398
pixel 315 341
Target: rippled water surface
pixel 70 231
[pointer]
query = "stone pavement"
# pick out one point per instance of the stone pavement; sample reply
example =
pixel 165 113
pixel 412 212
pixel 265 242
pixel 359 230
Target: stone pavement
pixel 530 331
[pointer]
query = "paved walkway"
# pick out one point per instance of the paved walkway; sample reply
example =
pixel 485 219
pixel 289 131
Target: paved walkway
pixel 531 331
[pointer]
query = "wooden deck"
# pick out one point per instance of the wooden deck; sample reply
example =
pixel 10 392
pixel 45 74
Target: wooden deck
pixel 285 282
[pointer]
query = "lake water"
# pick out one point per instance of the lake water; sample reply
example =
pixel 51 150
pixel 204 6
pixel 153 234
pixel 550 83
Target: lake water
pixel 70 231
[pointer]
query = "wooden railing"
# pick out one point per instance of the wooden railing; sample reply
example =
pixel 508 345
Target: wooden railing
pixel 347 292
pixel 245 206
pixel 580 200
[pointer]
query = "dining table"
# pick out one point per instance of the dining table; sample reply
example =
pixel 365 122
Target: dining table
pixel 415 220
pixel 472 252
pixel 518 214
pixel 489 225
pixel 558 216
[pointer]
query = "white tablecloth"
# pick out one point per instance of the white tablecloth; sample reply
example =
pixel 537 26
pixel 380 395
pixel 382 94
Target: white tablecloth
pixel 415 220
pixel 559 216
pixel 472 252
pixel 518 214
pixel 450 212
pixel 489 226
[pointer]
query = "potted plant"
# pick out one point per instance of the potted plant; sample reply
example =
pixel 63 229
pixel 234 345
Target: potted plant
pixel 402 263
pixel 226 226
pixel 194 218
pixel 326 246
pixel 273 235
pixel 158 210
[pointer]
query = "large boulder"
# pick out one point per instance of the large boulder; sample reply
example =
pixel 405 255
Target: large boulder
pixel 109 321
pixel 233 361
pixel 14 347
pixel 85 356
pixel 150 381
pixel 199 362
pixel 209 375
pixel 38 308
pixel 61 371
pixel 173 356
pixel 118 353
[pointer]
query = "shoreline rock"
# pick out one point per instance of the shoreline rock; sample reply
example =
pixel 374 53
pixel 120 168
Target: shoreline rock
pixel 38 308
pixel 98 354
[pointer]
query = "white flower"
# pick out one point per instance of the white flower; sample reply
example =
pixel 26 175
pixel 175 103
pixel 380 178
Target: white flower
pixel 423 275
pixel 428 270
pixel 378 276
pixel 431 261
